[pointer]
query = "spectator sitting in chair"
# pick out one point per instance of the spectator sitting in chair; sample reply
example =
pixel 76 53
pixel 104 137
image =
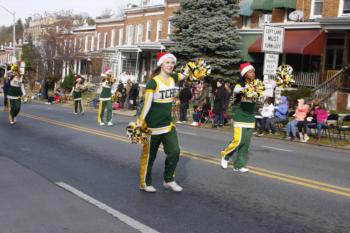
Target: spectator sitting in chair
pixel 57 96
pixel 280 116
pixel 200 114
pixel 321 115
pixel 298 121
pixel 266 113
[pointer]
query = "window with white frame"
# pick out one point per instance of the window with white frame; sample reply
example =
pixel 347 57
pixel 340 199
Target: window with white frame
pixel 112 37
pixel 75 45
pixel 130 35
pixel 246 21
pixel 98 41
pixel 316 8
pixel 121 33
pixel 170 27
pixel 136 29
pixel 149 30
pixel 86 43
pixel 159 29
pixel 64 46
pixel 264 19
pixel 344 7
pixel 70 46
pixel 92 42
pixel 105 40
pixel 139 37
pixel 80 43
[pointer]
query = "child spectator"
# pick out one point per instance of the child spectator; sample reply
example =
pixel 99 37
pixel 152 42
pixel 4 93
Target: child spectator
pixel 57 96
pixel 199 114
pixel 267 112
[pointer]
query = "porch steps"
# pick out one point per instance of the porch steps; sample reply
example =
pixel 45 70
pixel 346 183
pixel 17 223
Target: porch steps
pixel 338 81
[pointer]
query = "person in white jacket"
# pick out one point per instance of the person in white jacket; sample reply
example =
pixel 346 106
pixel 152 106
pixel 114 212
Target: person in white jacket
pixel 266 113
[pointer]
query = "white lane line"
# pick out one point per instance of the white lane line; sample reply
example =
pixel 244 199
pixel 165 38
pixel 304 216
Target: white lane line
pixel 188 133
pixel 274 148
pixel 122 217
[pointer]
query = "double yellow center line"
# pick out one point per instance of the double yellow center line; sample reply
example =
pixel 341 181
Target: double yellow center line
pixel 317 185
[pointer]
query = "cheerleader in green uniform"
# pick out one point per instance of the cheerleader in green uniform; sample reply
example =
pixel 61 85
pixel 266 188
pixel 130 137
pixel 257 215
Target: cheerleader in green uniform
pixel 244 119
pixel 15 93
pixel 105 101
pixel 156 114
pixel 76 92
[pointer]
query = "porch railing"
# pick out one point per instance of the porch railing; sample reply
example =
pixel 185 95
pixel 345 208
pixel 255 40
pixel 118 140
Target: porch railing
pixel 330 73
pixel 304 79
pixel 327 88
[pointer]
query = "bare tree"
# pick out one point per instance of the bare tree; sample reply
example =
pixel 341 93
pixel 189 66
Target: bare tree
pixel 106 13
pixel 55 44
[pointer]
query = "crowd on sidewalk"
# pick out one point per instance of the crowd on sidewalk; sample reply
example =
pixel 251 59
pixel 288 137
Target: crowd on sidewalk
pixel 276 115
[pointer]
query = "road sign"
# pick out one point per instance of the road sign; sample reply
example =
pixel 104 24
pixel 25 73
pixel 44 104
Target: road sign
pixel 273 39
pixel 270 63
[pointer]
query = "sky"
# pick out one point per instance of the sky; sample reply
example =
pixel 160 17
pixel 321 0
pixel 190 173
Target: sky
pixel 26 8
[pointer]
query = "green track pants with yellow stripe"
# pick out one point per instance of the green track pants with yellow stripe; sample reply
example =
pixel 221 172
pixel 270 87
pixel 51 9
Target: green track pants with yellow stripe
pixel 240 145
pixel 104 104
pixel 149 153
pixel 14 106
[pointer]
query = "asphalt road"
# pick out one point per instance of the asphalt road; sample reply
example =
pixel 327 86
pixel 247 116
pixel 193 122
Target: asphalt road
pixel 292 187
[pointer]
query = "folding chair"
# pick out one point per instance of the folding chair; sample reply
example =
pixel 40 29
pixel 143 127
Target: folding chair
pixel 344 126
pixel 208 118
pixel 332 123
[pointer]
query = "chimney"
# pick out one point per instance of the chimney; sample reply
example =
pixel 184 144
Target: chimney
pixel 145 2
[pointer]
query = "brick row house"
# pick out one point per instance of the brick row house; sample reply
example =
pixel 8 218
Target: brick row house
pixel 128 45
pixel 316 44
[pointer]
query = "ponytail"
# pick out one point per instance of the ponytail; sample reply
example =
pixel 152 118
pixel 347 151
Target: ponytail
pixel 156 72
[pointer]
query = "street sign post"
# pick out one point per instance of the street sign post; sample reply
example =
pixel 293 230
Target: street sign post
pixel 273 39
pixel 272 45
pixel 270 63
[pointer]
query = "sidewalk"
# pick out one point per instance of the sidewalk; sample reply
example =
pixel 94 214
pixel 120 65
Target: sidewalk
pixel 31 204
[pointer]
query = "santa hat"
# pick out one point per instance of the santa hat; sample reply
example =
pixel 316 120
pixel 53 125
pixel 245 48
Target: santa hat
pixel 161 57
pixel 77 77
pixel 245 67
pixel 107 71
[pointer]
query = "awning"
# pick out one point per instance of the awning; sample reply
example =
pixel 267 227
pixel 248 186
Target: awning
pixel 151 46
pixel 307 42
pixel 262 5
pixel 290 4
pixel 245 7
pixel 128 49
pixel 247 40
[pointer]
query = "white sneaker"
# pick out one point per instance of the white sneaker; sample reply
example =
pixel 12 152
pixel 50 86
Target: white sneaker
pixel 242 170
pixel 224 163
pixel 149 189
pixel 110 123
pixel 12 122
pixel 173 186
pixel 306 138
pixel 179 122
pixel 101 123
pixel 75 113
pixel 194 123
